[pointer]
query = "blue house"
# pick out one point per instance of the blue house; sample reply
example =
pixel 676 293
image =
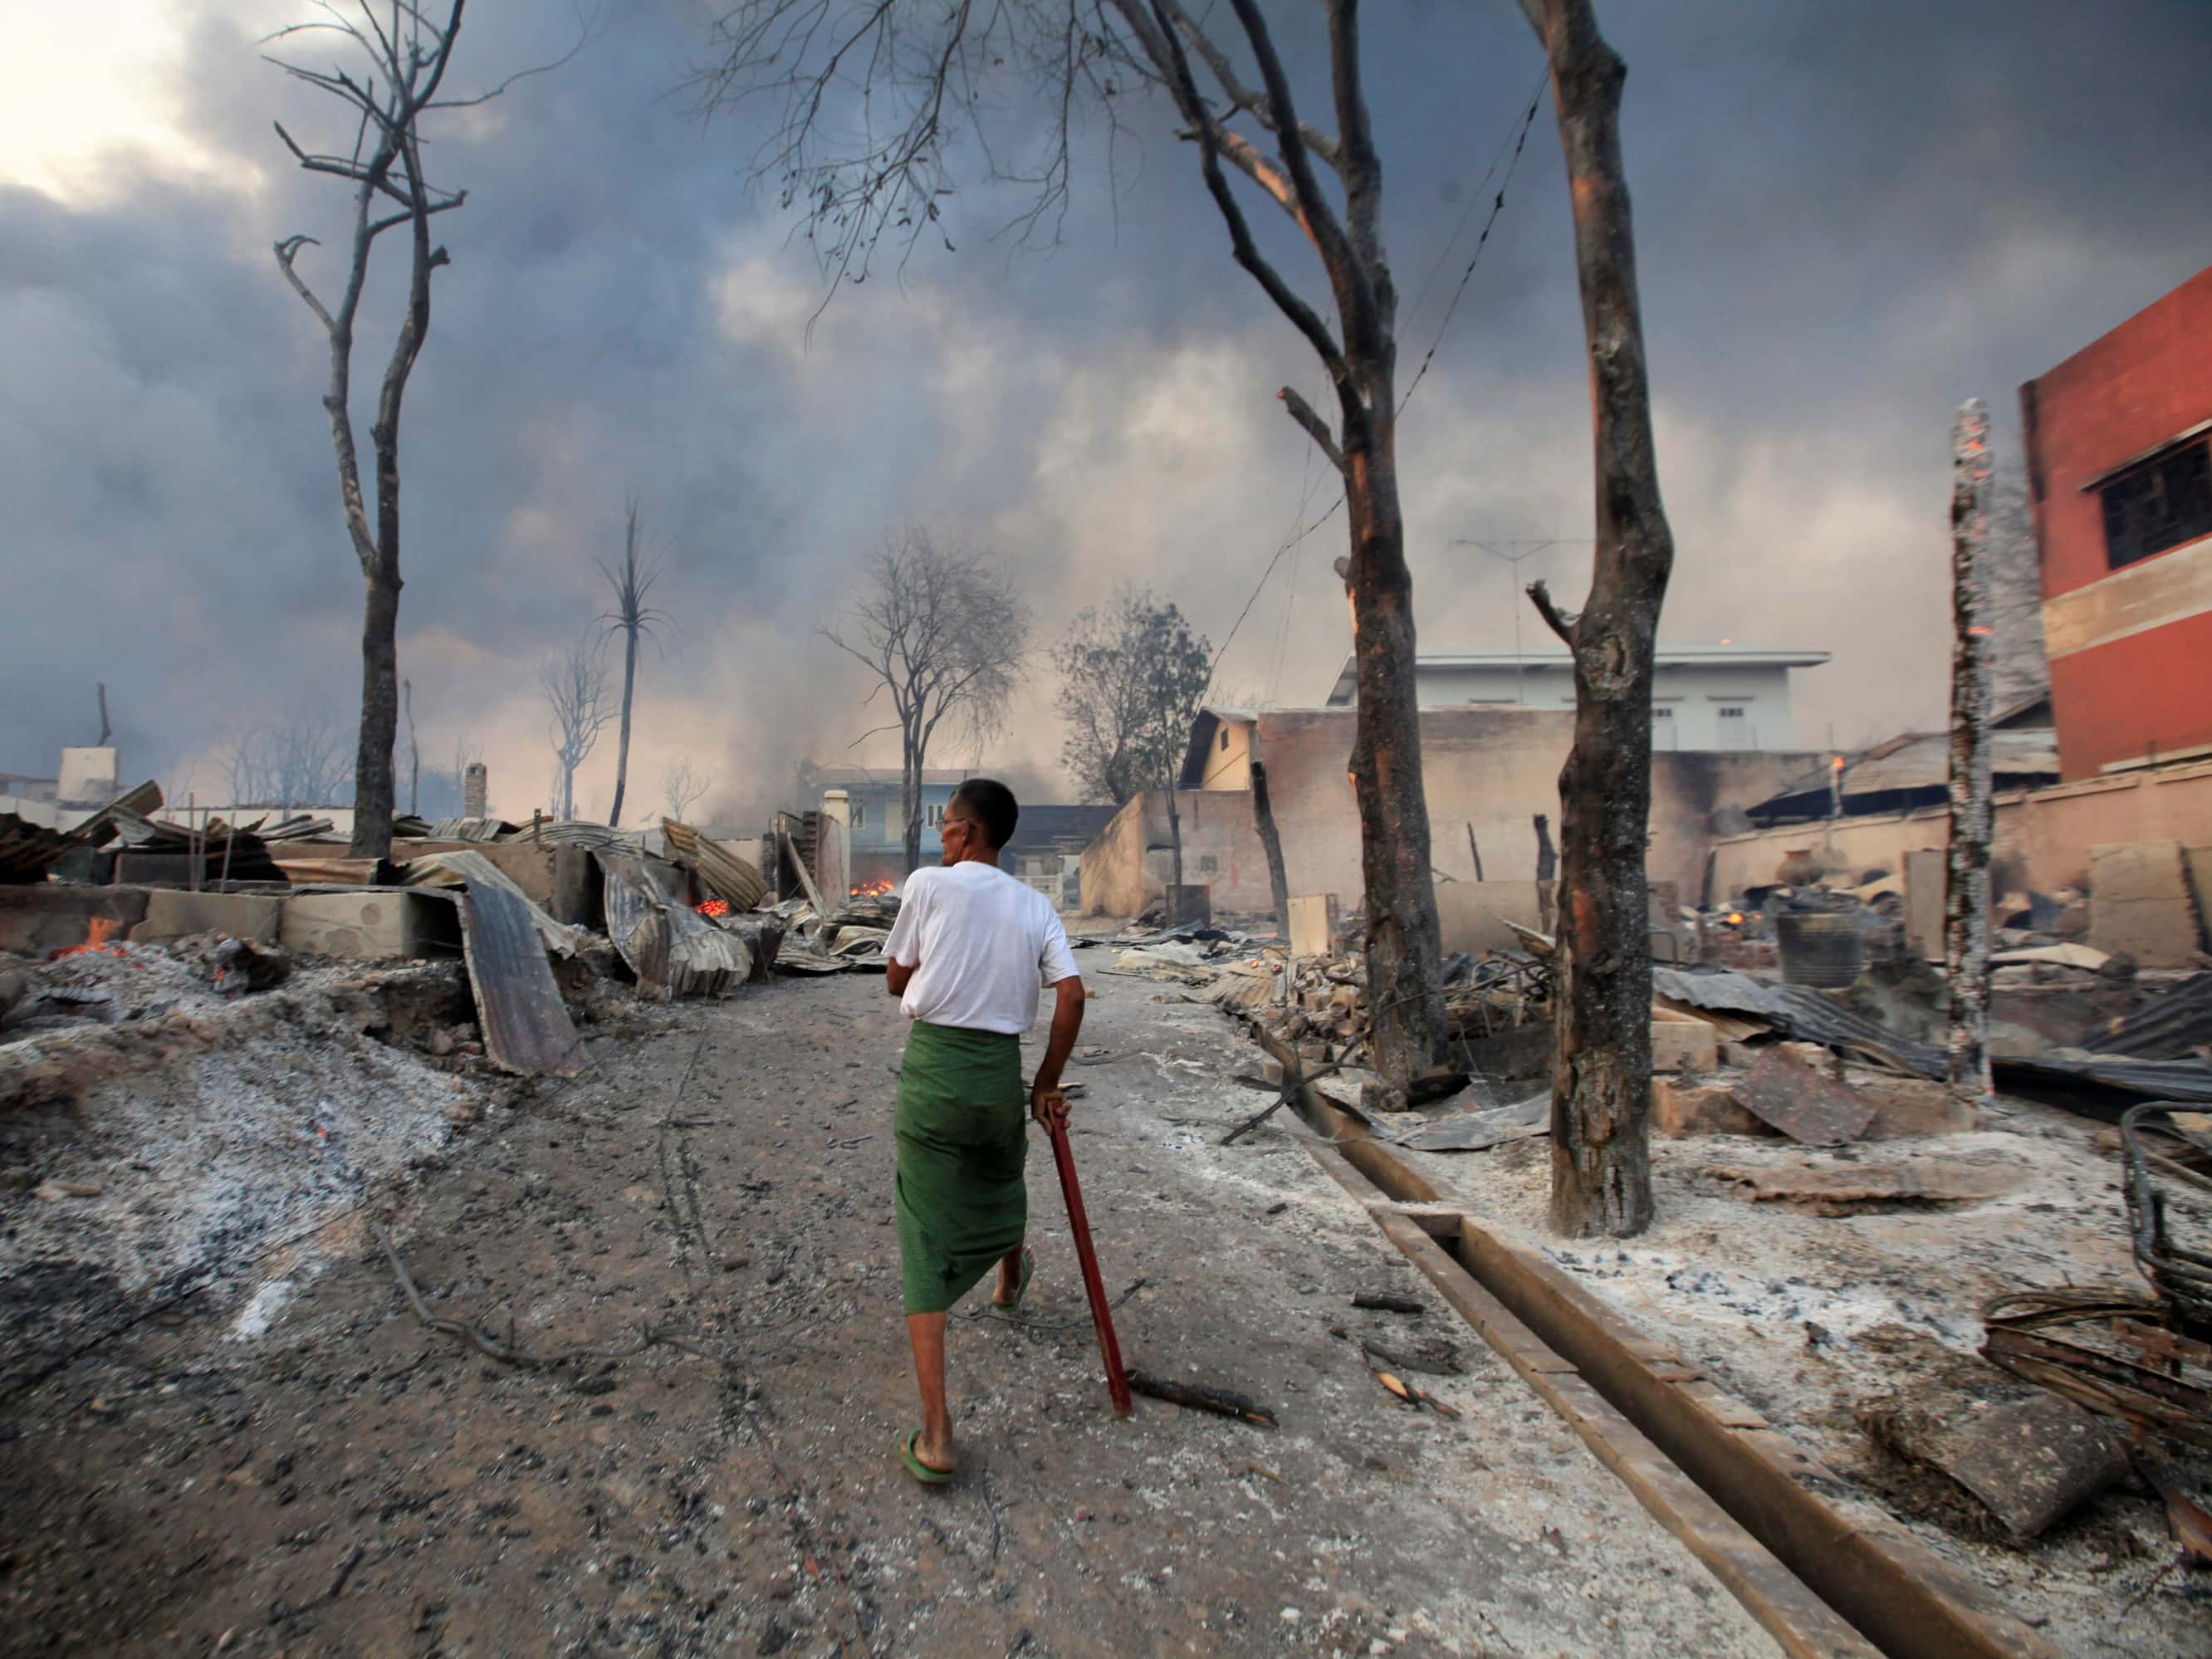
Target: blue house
pixel 877 817
pixel 1047 841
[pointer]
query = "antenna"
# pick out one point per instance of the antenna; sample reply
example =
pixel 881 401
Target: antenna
pixel 1513 552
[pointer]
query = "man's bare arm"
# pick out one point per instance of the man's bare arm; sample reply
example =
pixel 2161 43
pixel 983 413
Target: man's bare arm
pixel 1046 1100
pixel 897 973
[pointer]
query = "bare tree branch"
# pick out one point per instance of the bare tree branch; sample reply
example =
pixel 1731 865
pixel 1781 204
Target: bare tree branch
pixel 944 632
pixel 1305 415
pixel 1240 96
pixel 682 788
pixel 1561 623
pixel 1241 246
pixel 574 687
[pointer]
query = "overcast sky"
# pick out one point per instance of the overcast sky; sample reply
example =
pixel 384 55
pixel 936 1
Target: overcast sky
pixel 1850 218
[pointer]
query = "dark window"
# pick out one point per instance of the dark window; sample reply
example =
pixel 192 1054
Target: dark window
pixel 2160 504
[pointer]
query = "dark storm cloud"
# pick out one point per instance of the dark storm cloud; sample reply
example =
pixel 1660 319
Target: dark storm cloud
pixel 1849 219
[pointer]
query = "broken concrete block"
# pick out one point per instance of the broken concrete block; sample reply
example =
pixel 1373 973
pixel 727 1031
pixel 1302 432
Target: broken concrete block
pixel 1313 922
pixel 1784 1091
pixel 1925 878
pixel 1839 1188
pixel 390 921
pixel 171 914
pixel 1473 914
pixel 1684 1045
pixel 2140 902
pixel 1680 1109
pixel 1909 1106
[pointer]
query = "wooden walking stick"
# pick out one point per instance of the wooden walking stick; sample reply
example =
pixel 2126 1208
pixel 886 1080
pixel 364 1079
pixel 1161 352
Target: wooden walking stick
pixel 1109 1350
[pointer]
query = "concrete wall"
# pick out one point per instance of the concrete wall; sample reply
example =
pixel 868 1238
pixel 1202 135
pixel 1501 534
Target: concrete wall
pixel 1129 863
pixel 2127 645
pixel 2049 830
pixel 1488 768
pixel 1689 790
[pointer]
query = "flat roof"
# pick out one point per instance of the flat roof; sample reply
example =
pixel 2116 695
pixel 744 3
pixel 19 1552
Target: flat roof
pixel 1545 659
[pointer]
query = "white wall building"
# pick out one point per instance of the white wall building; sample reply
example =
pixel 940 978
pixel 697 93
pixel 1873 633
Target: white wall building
pixel 1704 696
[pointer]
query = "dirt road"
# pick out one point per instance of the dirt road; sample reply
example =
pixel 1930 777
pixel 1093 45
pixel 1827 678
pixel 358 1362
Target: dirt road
pixel 327 1476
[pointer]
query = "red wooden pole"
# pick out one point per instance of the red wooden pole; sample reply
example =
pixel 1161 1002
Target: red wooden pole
pixel 1109 1350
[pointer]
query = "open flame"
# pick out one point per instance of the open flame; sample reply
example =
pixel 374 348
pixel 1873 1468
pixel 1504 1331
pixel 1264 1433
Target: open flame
pixel 714 907
pixel 99 932
pixel 876 889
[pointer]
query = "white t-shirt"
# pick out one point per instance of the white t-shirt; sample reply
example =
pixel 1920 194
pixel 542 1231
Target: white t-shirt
pixel 983 941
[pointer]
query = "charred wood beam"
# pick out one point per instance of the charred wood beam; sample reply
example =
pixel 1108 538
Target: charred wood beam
pixel 1966 889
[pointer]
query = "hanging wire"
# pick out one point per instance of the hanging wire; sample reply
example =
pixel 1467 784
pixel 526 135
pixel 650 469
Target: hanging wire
pixel 1497 205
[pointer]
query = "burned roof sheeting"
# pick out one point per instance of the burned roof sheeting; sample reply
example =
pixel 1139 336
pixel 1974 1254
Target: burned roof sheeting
pixel 29 850
pixel 1909 771
pixel 2174 1027
pixel 1813 1016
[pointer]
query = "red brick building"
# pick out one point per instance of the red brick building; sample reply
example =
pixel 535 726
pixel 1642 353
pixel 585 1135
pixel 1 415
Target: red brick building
pixel 2119 467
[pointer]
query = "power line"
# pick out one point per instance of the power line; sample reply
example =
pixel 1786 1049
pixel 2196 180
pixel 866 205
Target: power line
pixel 1497 206
pixel 1473 201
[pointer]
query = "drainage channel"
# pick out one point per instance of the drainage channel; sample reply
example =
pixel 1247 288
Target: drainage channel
pixel 1738 1492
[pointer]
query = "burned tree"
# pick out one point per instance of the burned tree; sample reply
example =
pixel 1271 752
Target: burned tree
pixel 632 618
pixel 1131 684
pixel 943 632
pixel 1966 889
pixel 408 54
pixel 1602 1064
pixel 682 788
pixel 414 747
pixel 574 687
pixel 926 71
pixel 303 764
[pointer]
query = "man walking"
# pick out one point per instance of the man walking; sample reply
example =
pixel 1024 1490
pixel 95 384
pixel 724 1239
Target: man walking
pixel 966 959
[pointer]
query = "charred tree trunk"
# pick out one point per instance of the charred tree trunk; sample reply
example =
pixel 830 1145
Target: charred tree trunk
pixel 622 745
pixel 1601 1067
pixel 1408 1033
pixel 1966 892
pixel 1547 871
pixel 1263 817
pixel 414 749
pixel 1405 946
pixel 1174 855
pixel 910 801
pixel 380 704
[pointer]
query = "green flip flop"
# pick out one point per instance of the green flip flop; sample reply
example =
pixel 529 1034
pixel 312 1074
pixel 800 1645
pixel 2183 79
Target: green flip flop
pixel 1008 1310
pixel 920 1470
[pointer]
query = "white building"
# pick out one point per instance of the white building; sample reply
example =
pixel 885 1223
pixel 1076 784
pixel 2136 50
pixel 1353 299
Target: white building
pixel 1704 696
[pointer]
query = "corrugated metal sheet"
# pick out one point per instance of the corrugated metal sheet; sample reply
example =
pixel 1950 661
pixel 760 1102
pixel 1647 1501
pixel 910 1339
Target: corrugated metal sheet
pixel 1806 1014
pixel 469 830
pixel 1916 762
pixel 734 879
pixel 2173 1028
pixel 475 871
pixel 597 836
pixel 525 1025
pixel 673 951
pixel 145 800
